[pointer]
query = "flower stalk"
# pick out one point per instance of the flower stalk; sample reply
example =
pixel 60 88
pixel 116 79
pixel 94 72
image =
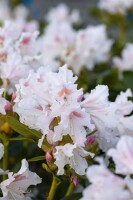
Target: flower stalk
pixel 53 188
pixel 5 157
pixel 70 189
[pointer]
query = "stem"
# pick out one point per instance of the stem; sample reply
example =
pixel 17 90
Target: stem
pixel 122 35
pixel 53 188
pixel 5 157
pixel 70 189
pixel 5 87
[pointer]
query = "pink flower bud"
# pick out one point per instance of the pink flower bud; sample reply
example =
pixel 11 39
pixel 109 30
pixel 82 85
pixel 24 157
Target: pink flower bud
pixel 13 96
pixel 75 180
pixel 49 155
pixel 90 140
pixel 8 107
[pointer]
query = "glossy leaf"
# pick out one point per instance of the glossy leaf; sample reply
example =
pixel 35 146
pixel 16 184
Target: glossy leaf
pixel 23 129
pixel 38 158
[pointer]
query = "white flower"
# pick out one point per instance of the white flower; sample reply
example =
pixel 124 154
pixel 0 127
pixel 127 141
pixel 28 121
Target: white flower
pixel 28 45
pixel 104 185
pixel 56 40
pixel 73 123
pixel 126 62
pixel 40 102
pixel 21 12
pixel 115 6
pixel 61 14
pixel 102 115
pixel 109 117
pixel 129 184
pixel 13 69
pixel 5 11
pixel 15 187
pixel 124 106
pixel 3 102
pixel 73 156
pixel 123 155
pixel 88 52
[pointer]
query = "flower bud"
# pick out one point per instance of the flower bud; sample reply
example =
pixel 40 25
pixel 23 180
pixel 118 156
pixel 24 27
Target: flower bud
pixel 8 107
pixel 49 155
pixel 13 96
pixel 75 180
pixel 90 140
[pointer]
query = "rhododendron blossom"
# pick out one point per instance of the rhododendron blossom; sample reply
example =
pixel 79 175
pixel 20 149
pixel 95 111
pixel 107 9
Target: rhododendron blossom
pixel 72 155
pixel 87 52
pixel 104 185
pixel 59 100
pixel 123 155
pixel 72 127
pixel 61 13
pixel 15 187
pixel 114 7
pixel 56 40
pixel 126 62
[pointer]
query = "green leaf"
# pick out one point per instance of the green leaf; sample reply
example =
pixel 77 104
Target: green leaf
pixel 21 139
pixel 23 129
pixel 35 159
pixel 128 78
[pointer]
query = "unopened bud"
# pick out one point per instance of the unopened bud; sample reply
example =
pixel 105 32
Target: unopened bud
pixel 13 96
pixel 75 180
pixel 49 156
pixel 90 140
pixel 8 107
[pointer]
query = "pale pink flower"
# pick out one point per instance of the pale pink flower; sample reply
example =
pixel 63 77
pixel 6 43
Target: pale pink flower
pixel 87 52
pixel 104 185
pixel 13 70
pixel 126 61
pixel 56 40
pixel 61 13
pixel 114 7
pixel 15 187
pixel 72 155
pixel 123 155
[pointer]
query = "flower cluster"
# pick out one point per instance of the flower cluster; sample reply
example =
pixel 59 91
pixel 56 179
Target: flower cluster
pixel 18 15
pixel 114 7
pixel 106 185
pixel 18 53
pixel 62 44
pixel 73 119
pixel 64 111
